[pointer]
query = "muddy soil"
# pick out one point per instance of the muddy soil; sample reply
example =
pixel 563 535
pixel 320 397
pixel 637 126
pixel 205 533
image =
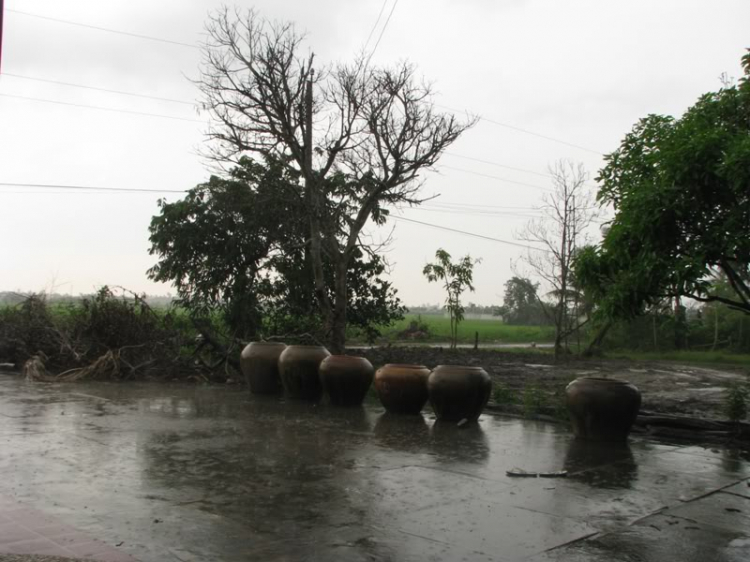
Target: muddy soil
pixel 667 387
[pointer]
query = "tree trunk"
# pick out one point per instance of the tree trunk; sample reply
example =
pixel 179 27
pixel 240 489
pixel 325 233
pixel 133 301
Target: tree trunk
pixel 338 319
pixel 577 322
pixel 558 343
pixel 716 327
pixel 679 325
pixel 740 338
pixel 596 343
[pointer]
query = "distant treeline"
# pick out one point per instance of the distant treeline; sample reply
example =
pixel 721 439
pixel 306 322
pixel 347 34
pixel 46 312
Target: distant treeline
pixel 470 309
pixel 13 298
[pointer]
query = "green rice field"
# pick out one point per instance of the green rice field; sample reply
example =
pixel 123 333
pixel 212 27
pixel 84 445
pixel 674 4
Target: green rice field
pixel 490 330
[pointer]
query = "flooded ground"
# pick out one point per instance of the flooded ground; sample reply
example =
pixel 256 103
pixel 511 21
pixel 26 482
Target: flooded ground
pixel 667 387
pixel 192 473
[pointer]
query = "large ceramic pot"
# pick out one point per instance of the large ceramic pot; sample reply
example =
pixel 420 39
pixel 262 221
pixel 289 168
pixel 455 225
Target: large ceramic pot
pixel 298 367
pixel 346 379
pixel 260 365
pixel 458 392
pixel 402 389
pixel 602 409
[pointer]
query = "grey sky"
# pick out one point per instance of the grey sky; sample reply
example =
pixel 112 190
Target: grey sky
pixel 580 71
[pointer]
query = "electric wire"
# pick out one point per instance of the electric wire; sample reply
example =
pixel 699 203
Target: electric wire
pixel 374 27
pixel 473 234
pixel 107 29
pixel 448 204
pixel 112 109
pixel 382 31
pixel 493 163
pixel 88 187
pixel 152 38
pixel 474 213
pixel 495 177
pixel 525 131
pixel 96 88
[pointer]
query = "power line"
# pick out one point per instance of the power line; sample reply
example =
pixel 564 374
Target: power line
pixel 483 237
pixel 478 210
pixel 108 30
pixel 66 193
pixel 89 187
pixel 382 31
pixel 499 165
pixel 473 212
pixel 449 204
pixel 496 178
pixel 158 98
pixel 86 106
pixel 374 27
pixel 525 131
pixel 192 46
pixel 70 84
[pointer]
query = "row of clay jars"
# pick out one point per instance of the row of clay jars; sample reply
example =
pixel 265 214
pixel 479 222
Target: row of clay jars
pixel 600 409
pixel 455 392
pixel 306 372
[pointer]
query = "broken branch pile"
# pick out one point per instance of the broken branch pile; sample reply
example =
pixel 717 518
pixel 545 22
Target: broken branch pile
pixel 107 337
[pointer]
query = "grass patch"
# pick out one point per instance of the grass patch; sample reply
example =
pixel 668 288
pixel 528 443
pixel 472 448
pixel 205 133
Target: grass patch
pixel 490 331
pixel 503 394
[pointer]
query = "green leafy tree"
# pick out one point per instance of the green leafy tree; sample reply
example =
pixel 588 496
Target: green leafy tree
pixel 681 193
pixel 456 278
pixel 237 245
pixel 521 303
pixel 216 243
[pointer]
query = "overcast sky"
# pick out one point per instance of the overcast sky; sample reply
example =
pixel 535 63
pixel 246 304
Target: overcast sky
pixel 582 72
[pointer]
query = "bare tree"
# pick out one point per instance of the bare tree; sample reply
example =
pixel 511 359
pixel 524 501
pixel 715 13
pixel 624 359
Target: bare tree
pixel 358 136
pixel 567 212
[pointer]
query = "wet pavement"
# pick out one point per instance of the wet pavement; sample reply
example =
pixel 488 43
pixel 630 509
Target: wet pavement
pixel 195 473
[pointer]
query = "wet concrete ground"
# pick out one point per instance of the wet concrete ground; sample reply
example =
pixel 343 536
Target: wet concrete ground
pixel 188 473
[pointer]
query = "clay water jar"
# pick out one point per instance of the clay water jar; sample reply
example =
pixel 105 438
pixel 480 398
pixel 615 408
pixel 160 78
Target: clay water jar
pixel 298 369
pixel 458 392
pixel 602 409
pixel 402 389
pixel 346 379
pixel 260 365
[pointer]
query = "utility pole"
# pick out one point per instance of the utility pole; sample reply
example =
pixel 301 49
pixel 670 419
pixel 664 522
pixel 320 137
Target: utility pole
pixel 313 195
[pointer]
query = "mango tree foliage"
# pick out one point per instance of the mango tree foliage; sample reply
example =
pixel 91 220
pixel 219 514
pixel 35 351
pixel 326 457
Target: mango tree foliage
pixel 237 245
pixel 681 193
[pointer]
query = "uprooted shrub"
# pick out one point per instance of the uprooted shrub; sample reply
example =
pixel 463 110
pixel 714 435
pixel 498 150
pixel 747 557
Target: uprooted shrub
pixel 27 329
pixel 105 336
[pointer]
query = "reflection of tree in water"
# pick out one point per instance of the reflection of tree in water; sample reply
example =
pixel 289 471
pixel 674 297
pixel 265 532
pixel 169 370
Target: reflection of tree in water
pixel 602 464
pixel 735 460
pixel 282 473
pixel 451 443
